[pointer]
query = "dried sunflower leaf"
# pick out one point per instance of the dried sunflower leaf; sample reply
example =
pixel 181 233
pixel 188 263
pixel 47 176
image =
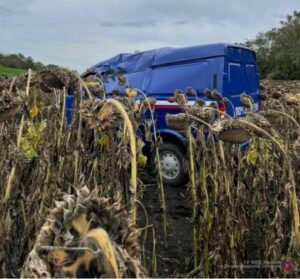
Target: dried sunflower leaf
pixel 27 149
pixel 252 157
pixel 34 112
pixel 104 140
pixel 141 160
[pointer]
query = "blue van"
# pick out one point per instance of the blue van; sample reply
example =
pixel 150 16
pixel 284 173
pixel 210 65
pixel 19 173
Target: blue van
pixel 230 69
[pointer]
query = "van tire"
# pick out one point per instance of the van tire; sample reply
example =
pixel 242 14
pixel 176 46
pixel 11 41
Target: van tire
pixel 172 158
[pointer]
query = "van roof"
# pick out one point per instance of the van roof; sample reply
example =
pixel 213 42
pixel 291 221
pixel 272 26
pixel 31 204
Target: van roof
pixel 128 63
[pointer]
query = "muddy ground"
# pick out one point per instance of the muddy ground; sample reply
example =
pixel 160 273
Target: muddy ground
pixel 173 258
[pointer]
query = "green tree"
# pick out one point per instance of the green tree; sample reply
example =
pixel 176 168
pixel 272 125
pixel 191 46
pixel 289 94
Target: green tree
pixel 30 63
pixel 278 50
pixel 19 61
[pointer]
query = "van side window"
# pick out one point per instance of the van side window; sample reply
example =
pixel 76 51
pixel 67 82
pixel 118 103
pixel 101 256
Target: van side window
pixel 166 79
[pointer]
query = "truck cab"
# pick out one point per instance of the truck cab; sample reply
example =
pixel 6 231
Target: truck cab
pixel 228 68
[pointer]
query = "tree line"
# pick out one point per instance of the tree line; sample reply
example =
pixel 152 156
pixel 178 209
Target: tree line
pixel 278 50
pixel 19 61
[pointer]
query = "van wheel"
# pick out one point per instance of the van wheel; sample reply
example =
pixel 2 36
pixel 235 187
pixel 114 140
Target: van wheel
pixel 171 158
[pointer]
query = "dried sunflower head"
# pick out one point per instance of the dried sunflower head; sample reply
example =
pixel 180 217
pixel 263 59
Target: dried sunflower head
pixel 199 102
pixel 179 122
pixel 262 87
pixel 95 85
pixel 204 113
pixel 191 92
pixel 292 100
pixel 98 118
pixel 58 78
pixel 232 131
pixel 179 98
pixel 84 236
pixel 116 92
pixel 214 105
pixel 122 79
pixel 276 95
pixel 260 121
pixel 5 82
pixel 215 95
pixel 263 96
pixel 207 93
pixel 296 147
pixel 10 104
pixel 130 92
pixel 145 103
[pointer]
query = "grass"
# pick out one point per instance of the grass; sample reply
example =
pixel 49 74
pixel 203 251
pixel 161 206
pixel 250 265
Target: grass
pixel 11 71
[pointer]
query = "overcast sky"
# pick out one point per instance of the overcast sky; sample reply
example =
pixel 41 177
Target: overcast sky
pixel 80 33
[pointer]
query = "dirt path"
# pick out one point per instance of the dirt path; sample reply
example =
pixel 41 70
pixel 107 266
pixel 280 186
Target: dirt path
pixel 174 256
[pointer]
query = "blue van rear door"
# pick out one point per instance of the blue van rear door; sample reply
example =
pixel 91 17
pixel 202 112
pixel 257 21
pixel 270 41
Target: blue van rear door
pixel 242 77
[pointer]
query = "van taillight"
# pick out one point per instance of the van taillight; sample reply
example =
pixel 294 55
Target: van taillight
pixel 222 107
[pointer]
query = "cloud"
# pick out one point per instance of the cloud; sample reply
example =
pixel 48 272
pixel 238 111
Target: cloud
pixel 5 11
pixel 132 24
pixel 181 22
pixel 80 33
